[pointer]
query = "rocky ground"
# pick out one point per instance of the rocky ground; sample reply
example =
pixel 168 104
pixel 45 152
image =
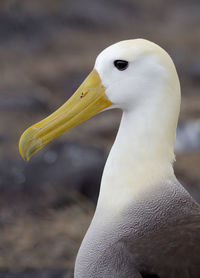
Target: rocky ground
pixel 46 50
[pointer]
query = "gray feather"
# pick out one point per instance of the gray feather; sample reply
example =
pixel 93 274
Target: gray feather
pixel 157 235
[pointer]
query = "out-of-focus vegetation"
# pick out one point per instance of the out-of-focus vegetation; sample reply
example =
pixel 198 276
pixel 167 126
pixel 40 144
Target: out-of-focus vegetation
pixel 46 49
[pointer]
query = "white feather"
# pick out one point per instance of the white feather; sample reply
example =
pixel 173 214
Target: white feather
pixel 148 92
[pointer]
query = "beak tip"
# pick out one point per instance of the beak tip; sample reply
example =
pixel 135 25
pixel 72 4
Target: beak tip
pixel 28 145
pixel 23 155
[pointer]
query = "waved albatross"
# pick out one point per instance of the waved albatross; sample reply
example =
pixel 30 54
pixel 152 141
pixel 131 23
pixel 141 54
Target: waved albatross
pixel 145 224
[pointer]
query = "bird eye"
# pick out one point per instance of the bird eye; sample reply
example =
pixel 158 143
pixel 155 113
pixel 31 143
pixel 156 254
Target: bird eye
pixel 121 64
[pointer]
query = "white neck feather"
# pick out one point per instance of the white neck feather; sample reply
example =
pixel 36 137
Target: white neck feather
pixel 142 155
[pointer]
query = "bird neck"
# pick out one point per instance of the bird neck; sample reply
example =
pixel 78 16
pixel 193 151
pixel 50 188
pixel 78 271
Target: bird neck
pixel 141 157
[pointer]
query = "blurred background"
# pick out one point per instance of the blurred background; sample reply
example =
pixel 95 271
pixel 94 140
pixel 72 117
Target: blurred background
pixel 47 48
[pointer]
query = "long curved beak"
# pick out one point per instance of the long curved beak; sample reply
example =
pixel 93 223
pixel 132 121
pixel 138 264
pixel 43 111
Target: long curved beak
pixel 88 100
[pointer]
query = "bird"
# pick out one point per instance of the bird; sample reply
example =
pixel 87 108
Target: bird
pixel 145 223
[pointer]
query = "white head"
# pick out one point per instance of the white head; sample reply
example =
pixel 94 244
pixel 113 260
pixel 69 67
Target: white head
pixel 137 76
pixel 140 76
pixel 149 68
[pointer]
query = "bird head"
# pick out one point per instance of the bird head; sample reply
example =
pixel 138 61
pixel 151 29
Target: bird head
pixel 127 75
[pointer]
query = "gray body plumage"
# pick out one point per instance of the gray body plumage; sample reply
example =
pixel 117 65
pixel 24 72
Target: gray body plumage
pixel 156 235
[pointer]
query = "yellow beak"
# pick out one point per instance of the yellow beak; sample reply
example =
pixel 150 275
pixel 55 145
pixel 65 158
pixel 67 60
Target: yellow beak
pixel 88 100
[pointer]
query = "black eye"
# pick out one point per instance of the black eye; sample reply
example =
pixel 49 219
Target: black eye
pixel 121 64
